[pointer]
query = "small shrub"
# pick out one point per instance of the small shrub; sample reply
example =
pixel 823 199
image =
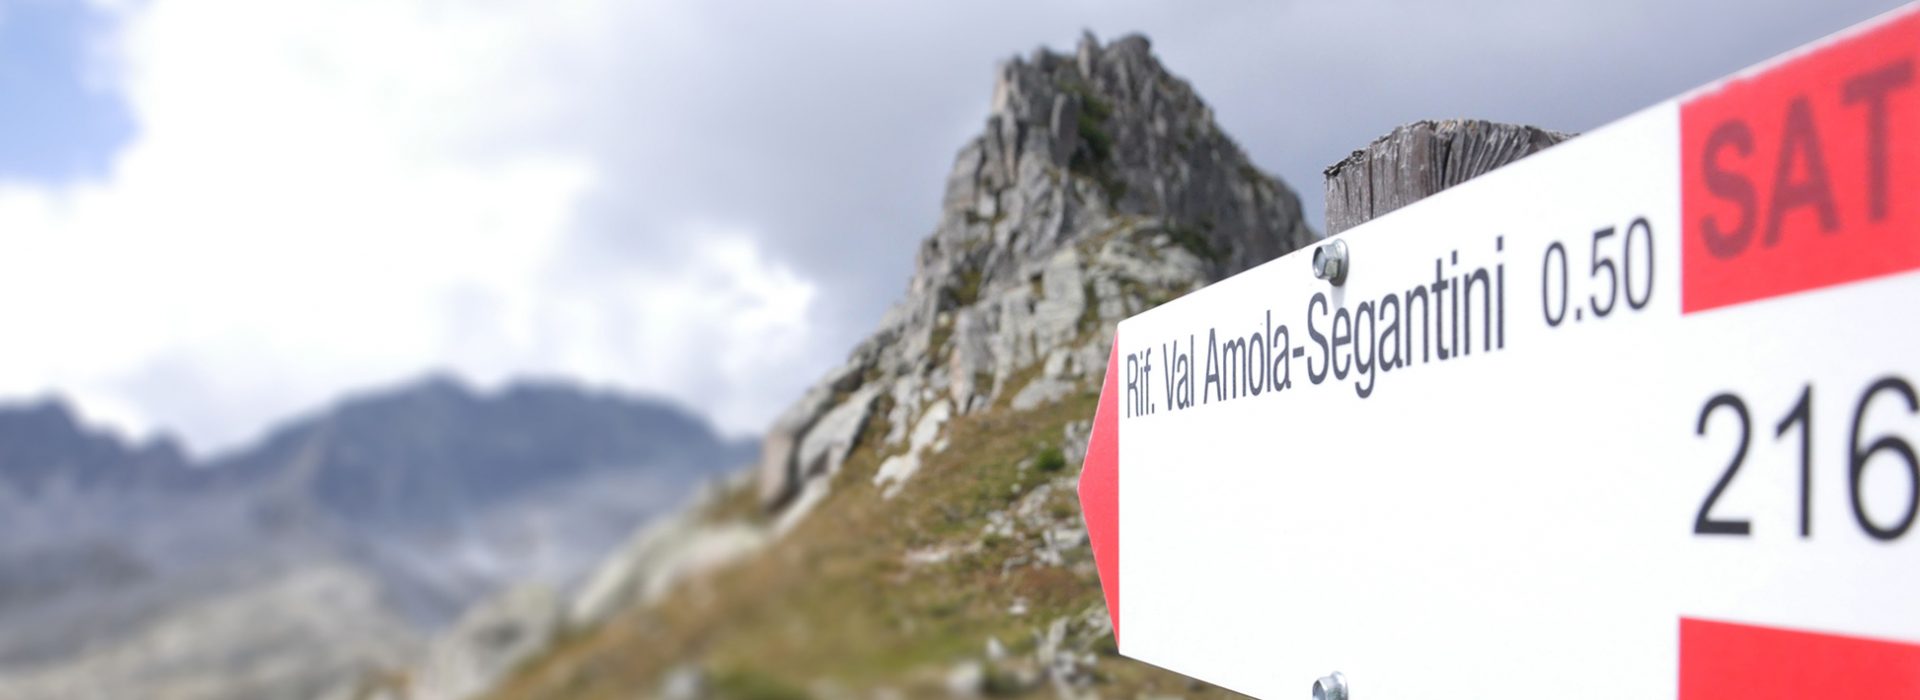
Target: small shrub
pixel 967 291
pixel 1099 143
pixel 1091 126
pixel 1050 460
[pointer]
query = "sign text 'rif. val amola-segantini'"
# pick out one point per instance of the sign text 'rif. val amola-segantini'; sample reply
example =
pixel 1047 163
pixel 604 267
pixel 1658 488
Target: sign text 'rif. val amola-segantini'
pixel 1635 417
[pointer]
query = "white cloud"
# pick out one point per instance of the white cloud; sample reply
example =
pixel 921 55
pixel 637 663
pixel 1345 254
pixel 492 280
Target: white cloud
pixel 324 196
pixel 708 200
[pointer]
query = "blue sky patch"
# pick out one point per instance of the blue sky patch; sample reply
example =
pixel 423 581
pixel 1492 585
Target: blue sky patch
pixel 53 127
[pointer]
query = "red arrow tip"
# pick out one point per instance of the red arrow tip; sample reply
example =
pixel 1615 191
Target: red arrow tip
pixel 1100 487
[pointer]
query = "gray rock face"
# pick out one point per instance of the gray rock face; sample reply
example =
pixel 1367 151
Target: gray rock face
pixel 1099 187
pixel 778 470
pixel 659 557
pixel 1420 159
pixel 488 641
pixel 826 445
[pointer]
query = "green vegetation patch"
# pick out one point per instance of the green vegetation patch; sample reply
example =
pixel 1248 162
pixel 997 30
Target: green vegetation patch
pixel 752 684
pixel 966 290
pixel 1050 459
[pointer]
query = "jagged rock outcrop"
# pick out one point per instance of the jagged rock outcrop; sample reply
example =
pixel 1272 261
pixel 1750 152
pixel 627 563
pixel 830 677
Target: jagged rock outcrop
pixel 667 551
pixel 1101 186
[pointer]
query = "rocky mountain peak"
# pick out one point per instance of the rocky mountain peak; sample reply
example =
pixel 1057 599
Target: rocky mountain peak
pixel 1099 187
pixel 1076 142
pixel 938 459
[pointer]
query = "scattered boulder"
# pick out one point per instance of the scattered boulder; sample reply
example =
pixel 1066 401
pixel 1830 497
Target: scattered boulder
pixel 896 470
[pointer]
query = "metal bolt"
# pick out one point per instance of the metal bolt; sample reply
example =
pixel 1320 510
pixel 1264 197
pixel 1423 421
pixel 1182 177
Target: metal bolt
pixel 1330 261
pixel 1332 687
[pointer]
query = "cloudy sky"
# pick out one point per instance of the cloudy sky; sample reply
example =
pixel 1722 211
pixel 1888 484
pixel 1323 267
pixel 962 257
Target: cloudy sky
pixel 215 214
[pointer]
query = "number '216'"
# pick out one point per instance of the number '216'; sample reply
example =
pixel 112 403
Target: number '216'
pixel 1861 454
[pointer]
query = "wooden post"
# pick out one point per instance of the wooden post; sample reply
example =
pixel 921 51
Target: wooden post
pixel 1419 159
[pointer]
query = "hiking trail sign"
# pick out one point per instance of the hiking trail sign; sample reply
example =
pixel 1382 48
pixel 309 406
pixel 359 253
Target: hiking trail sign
pixel 1634 417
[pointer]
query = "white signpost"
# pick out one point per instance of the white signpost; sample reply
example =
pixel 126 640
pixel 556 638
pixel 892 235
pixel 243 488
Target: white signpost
pixel 1635 417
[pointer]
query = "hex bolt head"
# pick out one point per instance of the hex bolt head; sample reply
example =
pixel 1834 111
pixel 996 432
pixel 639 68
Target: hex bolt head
pixel 1330 261
pixel 1332 687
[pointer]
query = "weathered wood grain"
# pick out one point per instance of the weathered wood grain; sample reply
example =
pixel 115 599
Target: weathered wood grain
pixel 1419 159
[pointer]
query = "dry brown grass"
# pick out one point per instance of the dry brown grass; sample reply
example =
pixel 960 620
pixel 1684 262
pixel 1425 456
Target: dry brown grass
pixel 836 603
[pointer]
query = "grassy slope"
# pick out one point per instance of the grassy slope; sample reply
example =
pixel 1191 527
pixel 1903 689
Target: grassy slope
pixel 835 608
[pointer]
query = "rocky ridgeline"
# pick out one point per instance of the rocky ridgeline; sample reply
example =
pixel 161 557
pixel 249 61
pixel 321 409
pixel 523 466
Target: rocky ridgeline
pixel 1100 187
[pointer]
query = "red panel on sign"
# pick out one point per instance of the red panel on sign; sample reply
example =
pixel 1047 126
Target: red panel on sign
pixel 1806 175
pixel 1100 487
pixel 1721 660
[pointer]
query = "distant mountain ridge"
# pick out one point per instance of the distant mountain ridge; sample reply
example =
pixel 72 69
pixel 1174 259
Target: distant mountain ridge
pixel 411 502
pixel 459 449
pixel 391 452
pixel 42 444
